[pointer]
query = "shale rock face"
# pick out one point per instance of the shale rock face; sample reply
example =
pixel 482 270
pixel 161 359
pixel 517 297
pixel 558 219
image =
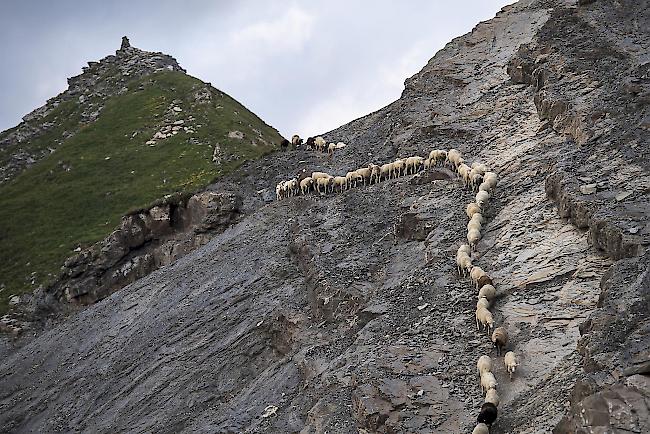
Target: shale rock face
pixel 344 313
pixel 143 243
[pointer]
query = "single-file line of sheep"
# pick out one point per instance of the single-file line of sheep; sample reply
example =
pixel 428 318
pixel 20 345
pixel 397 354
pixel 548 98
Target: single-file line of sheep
pixel 482 182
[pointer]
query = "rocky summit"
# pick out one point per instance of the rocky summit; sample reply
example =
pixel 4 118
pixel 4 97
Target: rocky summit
pixel 344 312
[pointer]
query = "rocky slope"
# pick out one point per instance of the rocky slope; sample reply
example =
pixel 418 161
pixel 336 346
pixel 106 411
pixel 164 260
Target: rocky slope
pixel 129 130
pixel 345 314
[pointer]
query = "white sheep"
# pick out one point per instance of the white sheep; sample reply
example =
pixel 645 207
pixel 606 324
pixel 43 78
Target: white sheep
pixel 491 179
pixel 331 148
pixel 477 216
pixel 476 274
pixel 492 396
pixel 484 319
pixel 463 172
pixel 341 182
pixel 414 164
pixel 487 291
pixel 437 156
pixel 473 237
pixel 482 198
pixel 483 302
pixel 279 190
pixel 399 167
pixel 484 186
pixel 464 248
pixel 479 167
pixel 353 178
pixel 474 225
pixel 375 173
pixel 510 360
pixel 365 174
pixel 428 163
pixel 500 339
pixel 323 182
pixel 481 428
pixel 483 365
pixel 292 187
pixel 463 263
pixel 305 184
pixel 320 143
pixel 454 157
pixel 488 381
pixel 471 209
pixel 385 171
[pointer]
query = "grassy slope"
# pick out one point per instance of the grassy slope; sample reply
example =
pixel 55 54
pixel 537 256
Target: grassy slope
pixel 46 211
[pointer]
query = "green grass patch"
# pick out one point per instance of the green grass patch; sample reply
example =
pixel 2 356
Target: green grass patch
pixel 47 210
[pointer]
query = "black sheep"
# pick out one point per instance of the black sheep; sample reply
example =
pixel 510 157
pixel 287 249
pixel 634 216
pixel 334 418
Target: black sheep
pixel 311 143
pixel 488 414
pixel 284 144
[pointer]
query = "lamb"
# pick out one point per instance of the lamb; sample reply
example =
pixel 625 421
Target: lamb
pixel 488 381
pixel 488 414
pixel 473 237
pixel 437 155
pixel 476 274
pixel 472 208
pixel 279 190
pixel 341 182
pixel 428 163
pixel 500 339
pixel 305 185
pixel 296 140
pixel 481 428
pixel 492 396
pixel 323 182
pixel 375 172
pixel 487 291
pixel 284 144
pixel 510 360
pixel 482 198
pixel 320 143
pixel 414 164
pixel 484 319
pixel 483 365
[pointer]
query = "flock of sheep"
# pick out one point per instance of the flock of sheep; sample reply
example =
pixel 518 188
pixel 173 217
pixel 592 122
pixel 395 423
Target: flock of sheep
pixel 480 180
pixel 315 143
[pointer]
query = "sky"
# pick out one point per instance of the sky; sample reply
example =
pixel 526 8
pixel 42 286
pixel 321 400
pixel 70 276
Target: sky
pixel 304 67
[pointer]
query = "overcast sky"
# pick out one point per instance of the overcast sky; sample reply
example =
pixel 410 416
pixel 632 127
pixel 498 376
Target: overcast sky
pixel 302 66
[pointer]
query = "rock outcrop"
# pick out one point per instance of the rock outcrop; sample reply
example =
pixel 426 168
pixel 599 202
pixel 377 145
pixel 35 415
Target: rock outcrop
pixel 144 242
